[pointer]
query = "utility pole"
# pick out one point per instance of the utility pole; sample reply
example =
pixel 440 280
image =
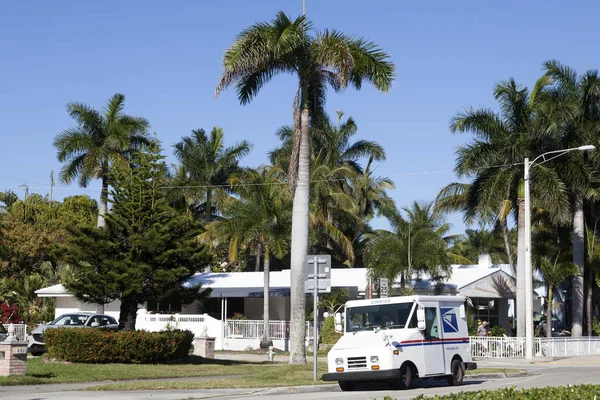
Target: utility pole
pixel 304 7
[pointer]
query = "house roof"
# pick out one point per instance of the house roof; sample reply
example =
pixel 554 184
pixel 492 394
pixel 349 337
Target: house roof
pixel 251 284
pixel 53 291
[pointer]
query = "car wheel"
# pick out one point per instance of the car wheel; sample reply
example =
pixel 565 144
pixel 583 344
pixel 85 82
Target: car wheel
pixel 405 379
pixel 37 353
pixel 347 386
pixel 458 373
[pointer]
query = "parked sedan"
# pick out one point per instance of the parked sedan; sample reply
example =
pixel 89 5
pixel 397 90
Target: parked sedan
pixel 37 346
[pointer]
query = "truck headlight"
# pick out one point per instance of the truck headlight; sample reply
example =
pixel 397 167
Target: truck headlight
pixel 339 361
pixel 374 360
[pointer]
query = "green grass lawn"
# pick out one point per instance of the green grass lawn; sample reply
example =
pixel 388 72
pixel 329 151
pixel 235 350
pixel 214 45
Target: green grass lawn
pixel 243 374
pixel 40 372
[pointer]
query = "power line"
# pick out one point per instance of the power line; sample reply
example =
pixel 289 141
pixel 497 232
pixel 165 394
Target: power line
pixel 397 175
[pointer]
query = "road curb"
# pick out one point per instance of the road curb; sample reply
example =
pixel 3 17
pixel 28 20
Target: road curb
pixel 329 387
pixel 299 389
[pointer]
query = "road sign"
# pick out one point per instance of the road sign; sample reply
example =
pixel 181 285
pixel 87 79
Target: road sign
pixel 318 280
pixel 383 287
pixel 323 286
pixel 324 266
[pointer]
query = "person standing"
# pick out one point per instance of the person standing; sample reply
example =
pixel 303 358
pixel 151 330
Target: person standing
pixel 482 329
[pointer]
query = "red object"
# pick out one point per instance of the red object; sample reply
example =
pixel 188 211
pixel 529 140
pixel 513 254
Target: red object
pixel 9 314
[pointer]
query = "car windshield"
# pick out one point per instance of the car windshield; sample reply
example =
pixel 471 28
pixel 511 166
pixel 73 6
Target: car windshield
pixel 377 316
pixel 70 320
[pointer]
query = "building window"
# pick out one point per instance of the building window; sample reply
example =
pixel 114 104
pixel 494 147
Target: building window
pixel 486 309
pixel 166 308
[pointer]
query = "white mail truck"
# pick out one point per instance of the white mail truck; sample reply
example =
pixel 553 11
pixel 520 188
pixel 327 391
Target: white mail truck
pixel 398 339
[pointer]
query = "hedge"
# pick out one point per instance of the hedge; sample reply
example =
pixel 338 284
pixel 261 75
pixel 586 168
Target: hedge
pixel 109 346
pixel 578 392
pixel 328 335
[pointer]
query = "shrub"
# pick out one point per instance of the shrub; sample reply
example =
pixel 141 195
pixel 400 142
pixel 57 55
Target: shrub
pixel 109 346
pixel 582 392
pixel 328 334
pixel 498 331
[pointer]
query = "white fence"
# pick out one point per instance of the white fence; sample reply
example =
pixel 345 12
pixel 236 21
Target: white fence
pixel 254 329
pixel 514 347
pixel 196 323
pixel 20 331
pixel 567 346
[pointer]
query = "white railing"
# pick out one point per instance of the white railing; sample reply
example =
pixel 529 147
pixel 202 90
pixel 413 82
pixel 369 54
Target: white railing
pixel 498 347
pixel 20 331
pixel 567 346
pixel 514 347
pixel 253 329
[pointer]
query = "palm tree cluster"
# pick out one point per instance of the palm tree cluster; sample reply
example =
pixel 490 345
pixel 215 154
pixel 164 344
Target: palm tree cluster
pixel 562 111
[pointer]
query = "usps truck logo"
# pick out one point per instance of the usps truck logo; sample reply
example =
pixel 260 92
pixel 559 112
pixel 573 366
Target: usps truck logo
pixel 449 322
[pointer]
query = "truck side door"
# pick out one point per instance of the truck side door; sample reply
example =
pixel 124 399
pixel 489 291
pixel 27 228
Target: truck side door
pixel 433 348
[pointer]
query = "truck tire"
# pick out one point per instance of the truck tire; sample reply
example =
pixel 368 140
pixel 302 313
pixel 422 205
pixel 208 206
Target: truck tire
pixel 458 373
pixel 405 380
pixel 347 386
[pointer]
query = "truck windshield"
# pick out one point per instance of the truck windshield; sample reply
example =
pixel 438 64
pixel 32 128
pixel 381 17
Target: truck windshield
pixel 377 316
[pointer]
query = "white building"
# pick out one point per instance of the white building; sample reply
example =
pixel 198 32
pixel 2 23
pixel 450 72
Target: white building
pixel 490 288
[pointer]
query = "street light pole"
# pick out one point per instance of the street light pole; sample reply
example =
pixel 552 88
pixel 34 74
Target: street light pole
pixel 528 270
pixel 528 266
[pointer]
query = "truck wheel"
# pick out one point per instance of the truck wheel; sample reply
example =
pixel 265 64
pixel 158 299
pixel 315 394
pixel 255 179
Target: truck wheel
pixel 347 386
pixel 405 379
pixel 458 373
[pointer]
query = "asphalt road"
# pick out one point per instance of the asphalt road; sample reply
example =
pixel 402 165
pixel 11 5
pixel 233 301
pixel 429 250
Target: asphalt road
pixel 553 374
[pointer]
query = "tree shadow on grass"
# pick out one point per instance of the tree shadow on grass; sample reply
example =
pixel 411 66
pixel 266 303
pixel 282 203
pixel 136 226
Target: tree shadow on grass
pixel 41 376
pixel 197 360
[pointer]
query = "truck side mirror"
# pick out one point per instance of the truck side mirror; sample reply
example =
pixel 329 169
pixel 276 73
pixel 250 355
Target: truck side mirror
pixel 339 326
pixel 421 319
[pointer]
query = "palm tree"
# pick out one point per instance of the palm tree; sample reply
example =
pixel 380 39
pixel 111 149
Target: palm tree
pixel 480 241
pixel 90 149
pixel 579 124
pixel 417 244
pixel 494 161
pixel 206 165
pixel 260 218
pixel 325 58
pixel 330 142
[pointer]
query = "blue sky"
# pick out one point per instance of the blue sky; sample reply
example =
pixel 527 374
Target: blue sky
pixel 166 56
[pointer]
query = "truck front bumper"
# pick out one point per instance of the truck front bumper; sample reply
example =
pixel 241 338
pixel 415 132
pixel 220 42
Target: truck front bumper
pixel 363 375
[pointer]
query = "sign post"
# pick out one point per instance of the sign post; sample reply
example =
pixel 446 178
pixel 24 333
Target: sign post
pixel 319 281
pixel 383 287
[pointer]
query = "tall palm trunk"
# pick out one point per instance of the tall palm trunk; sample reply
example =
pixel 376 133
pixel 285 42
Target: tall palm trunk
pixel 266 341
pixel 549 311
pixel 511 262
pixel 103 203
pixel 578 257
pixel 103 208
pixel 300 246
pixel 589 283
pixel 520 302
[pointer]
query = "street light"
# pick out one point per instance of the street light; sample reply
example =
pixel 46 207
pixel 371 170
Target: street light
pixel 528 268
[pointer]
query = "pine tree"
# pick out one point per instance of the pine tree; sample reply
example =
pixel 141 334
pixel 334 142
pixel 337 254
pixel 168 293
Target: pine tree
pixel 146 252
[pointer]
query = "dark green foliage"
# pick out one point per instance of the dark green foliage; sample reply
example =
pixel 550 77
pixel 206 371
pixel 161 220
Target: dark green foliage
pixel 579 392
pixel 497 331
pixel 109 346
pixel 328 335
pixel 146 252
